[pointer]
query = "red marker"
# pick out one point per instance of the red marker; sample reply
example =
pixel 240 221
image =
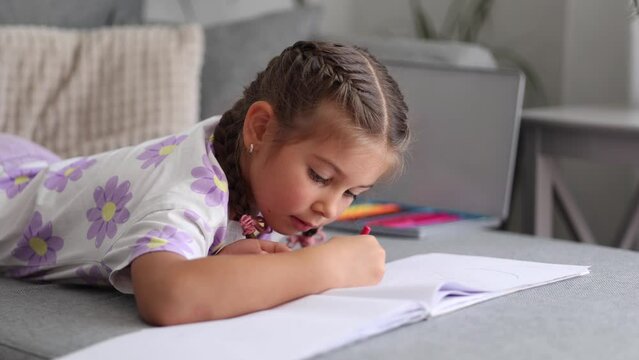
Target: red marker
pixel 365 230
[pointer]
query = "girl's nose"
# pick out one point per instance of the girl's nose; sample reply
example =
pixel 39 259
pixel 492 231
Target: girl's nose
pixel 326 207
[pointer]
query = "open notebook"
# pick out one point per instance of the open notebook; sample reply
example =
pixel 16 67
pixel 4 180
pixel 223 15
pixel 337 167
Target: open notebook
pixel 413 289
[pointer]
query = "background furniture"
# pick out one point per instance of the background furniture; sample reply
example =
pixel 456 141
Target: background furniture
pixel 595 133
pixel 590 317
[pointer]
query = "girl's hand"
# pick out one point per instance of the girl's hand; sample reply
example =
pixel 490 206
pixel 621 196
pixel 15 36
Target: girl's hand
pixel 354 260
pixel 254 246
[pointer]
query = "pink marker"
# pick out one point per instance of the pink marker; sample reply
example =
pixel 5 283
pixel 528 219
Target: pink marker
pixel 365 230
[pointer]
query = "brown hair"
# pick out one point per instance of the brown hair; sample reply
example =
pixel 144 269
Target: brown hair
pixel 295 83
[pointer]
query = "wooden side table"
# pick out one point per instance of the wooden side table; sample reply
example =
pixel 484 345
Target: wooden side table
pixel 602 133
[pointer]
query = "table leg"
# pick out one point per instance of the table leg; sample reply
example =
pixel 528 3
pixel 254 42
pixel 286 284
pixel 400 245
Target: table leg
pixel 543 196
pixel 526 171
pixel 536 185
pixel 628 230
pixel 574 216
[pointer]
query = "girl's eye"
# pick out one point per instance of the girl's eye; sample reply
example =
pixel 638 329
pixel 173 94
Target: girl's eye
pixel 323 181
pixel 315 177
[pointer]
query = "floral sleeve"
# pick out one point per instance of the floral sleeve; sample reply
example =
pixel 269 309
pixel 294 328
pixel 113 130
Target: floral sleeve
pixel 181 231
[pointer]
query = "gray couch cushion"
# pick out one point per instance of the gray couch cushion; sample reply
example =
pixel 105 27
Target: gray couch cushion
pixel 71 13
pixel 237 51
pixel 447 53
pixel 41 321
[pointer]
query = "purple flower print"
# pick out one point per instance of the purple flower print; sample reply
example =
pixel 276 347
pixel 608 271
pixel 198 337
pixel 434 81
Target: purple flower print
pixel 217 240
pixel 211 181
pixel 155 153
pixel 167 239
pixel 110 210
pixel 57 180
pixel 219 236
pixel 196 218
pixel 16 180
pixel 93 274
pixel 38 246
pixel 219 233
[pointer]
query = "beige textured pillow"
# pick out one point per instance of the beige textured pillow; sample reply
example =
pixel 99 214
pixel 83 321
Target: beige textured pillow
pixel 79 92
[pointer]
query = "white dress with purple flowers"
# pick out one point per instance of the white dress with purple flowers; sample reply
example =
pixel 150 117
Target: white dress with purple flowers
pixel 85 219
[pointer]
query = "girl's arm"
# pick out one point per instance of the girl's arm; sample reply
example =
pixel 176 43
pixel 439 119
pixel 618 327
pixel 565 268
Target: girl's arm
pixel 171 290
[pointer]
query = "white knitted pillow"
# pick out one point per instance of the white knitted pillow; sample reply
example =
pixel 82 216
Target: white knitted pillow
pixel 79 92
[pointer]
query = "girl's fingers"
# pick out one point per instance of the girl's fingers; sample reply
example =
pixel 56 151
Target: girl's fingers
pixel 273 247
pixel 280 247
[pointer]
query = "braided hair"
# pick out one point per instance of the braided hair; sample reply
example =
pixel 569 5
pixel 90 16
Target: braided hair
pixel 295 83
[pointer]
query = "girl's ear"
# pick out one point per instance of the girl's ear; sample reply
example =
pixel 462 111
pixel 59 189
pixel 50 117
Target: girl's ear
pixel 259 117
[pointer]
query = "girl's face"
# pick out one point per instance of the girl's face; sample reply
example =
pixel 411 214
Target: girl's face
pixel 307 184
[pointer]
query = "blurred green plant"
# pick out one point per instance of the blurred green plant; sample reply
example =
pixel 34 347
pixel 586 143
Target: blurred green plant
pixel 463 22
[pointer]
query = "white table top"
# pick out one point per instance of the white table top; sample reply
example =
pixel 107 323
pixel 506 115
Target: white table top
pixel 608 117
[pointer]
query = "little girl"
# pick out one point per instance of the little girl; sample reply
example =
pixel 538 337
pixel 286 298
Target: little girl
pixel 319 126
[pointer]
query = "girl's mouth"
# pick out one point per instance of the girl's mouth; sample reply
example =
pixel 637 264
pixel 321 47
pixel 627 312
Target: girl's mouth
pixel 300 224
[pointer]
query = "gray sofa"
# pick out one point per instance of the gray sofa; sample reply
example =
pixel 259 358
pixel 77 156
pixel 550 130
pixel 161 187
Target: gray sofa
pixel 41 321
pixel 592 317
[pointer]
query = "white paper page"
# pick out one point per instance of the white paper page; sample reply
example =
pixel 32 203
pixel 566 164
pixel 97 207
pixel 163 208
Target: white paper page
pixel 297 330
pixel 425 292
pixel 320 323
pixel 489 277
pixel 452 303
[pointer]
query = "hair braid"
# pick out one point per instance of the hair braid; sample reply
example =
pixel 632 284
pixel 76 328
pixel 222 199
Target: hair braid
pixel 227 146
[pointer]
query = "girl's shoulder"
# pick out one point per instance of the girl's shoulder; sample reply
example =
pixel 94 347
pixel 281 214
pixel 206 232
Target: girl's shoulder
pixel 176 169
pixel 181 165
pixel 161 158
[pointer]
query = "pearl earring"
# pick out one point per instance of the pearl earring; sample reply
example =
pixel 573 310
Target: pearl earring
pixel 251 149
